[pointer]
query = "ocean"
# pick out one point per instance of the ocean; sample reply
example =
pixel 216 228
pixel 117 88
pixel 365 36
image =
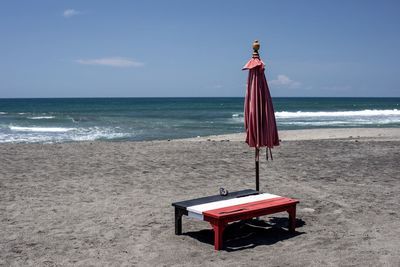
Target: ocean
pixel 50 120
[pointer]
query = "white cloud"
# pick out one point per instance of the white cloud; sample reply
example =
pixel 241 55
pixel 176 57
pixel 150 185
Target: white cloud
pixel 285 81
pixel 70 13
pixel 111 62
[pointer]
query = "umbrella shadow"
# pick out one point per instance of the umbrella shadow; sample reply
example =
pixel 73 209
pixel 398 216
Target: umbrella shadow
pixel 249 234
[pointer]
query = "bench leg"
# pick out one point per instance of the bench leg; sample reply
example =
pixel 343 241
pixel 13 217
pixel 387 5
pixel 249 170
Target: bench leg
pixel 178 221
pixel 218 232
pixel 292 219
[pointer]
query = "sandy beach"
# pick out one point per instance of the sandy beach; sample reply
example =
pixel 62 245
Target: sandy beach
pixel 109 203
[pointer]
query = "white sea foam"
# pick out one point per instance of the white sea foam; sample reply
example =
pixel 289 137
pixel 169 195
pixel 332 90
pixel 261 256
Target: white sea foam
pixel 333 118
pixel 41 118
pixel 41 129
pixel 57 134
pixel 237 115
pixel 316 123
pixel 343 123
pixel 3 113
pixel 99 135
pixel 355 113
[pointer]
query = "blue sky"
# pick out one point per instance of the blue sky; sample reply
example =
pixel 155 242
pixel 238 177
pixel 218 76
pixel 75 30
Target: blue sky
pixel 197 48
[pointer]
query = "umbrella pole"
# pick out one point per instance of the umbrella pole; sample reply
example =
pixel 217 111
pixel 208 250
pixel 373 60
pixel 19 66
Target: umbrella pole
pixel 257 169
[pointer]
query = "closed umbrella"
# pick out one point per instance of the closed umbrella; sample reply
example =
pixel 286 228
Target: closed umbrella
pixel 259 116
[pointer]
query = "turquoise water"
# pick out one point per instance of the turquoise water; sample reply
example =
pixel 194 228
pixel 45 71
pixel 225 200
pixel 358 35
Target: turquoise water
pixel 82 119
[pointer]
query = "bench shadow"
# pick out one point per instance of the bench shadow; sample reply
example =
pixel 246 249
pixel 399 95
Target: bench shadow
pixel 249 234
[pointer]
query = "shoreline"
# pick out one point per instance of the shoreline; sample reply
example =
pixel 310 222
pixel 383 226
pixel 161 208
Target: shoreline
pixel 284 135
pixel 312 134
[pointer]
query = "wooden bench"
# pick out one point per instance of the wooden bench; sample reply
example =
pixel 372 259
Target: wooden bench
pixel 241 205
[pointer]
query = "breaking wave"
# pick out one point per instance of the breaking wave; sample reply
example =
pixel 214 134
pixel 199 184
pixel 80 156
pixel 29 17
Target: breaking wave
pixel 41 118
pixel 19 134
pixel 41 129
pixel 355 113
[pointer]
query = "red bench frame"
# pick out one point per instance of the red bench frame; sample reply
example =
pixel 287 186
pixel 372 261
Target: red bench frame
pixel 219 218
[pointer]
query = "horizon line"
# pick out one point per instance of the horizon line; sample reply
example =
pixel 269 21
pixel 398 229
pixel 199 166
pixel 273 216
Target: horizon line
pixel 104 97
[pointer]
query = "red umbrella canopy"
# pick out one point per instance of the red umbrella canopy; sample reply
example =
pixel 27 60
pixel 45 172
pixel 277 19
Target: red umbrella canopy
pixel 259 116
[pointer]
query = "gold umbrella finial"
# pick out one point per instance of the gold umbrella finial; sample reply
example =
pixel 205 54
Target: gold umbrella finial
pixel 256 47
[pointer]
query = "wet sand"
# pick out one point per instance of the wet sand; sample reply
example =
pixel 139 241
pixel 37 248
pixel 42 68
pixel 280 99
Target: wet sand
pixel 109 203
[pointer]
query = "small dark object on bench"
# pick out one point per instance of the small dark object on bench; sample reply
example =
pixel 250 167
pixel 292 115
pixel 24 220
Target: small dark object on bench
pixel 223 191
